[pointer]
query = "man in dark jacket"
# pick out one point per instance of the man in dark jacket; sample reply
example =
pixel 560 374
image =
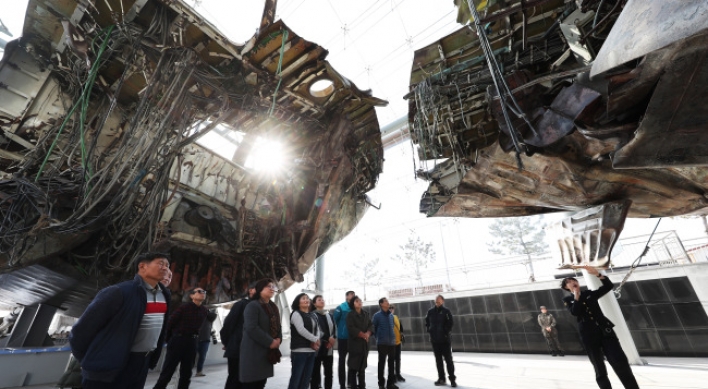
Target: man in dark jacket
pixel 182 336
pixel 231 335
pixel 120 335
pixel 596 331
pixel 438 322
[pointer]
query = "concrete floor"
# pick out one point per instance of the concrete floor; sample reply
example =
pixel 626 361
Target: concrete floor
pixel 498 371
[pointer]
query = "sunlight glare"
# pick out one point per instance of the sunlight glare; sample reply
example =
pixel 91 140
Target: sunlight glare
pixel 266 156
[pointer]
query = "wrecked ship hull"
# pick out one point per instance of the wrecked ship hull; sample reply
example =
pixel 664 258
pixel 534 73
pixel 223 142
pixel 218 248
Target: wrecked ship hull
pixel 101 110
pixel 598 114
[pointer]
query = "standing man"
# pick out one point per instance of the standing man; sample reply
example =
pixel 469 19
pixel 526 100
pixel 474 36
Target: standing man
pixel 596 331
pixel 548 328
pixel 182 333
pixel 204 338
pixel 120 335
pixel 398 330
pixel 340 317
pixel 438 322
pixel 231 335
pixel 385 343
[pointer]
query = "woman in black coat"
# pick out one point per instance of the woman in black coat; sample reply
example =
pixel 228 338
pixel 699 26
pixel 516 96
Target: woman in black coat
pixel 360 329
pixel 261 337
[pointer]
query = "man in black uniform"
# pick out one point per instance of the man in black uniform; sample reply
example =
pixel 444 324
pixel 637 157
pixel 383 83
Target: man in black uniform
pixel 438 322
pixel 596 331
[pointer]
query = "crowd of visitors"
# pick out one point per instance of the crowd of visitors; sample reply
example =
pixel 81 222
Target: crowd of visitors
pixel 122 332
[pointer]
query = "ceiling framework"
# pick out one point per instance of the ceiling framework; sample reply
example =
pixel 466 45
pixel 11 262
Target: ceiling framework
pixel 100 107
pixel 635 130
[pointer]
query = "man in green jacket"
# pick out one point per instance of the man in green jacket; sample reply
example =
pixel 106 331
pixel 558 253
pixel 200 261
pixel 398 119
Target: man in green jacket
pixel 548 328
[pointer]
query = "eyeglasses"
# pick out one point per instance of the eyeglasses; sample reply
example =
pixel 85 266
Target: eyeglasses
pixel 200 291
pixel 273 288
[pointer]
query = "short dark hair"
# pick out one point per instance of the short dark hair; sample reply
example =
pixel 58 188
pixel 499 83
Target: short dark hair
pixel 351 302
pixel 381 300
pixel 295 306
pixel 565 282
pixel 349 292
pixel 441 296
pixel 312 302
pixel 260 285
pixel 149 257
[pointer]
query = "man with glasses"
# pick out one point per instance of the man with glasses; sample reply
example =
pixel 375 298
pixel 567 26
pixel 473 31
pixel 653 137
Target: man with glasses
pixel 120 335
pixel 182 334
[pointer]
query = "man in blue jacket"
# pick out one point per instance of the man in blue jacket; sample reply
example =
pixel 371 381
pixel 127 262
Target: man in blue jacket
pixel 340 317
pixel 385 343
pixel 438 322
pixel 120 335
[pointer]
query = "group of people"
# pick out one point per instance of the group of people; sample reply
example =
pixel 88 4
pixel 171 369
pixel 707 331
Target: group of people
pixel 121 334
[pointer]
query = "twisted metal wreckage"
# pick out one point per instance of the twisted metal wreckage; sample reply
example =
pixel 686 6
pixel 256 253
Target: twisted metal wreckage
pixel 101 103
pixel 602 107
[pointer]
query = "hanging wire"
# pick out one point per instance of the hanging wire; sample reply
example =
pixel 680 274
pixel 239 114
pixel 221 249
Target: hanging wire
pixel 636 263
pixel 507 100
pixel 279 71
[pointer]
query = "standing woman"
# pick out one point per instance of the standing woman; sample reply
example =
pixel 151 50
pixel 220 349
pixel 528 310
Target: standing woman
pixel 360 329
pixel 304 342
pixel 325 355
pixel 261 337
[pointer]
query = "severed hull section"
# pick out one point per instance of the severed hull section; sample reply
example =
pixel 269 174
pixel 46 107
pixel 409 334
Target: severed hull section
pixel 102 105
pixel 589 112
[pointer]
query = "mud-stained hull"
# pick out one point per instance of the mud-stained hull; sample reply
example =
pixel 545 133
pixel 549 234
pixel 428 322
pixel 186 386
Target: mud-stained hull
pixel 102 103
pixel 595 112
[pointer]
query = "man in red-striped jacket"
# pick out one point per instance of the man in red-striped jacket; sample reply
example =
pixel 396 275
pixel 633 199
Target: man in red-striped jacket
pixel 120 335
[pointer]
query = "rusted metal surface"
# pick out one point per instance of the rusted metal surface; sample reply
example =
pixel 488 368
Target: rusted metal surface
pixel 635 134
pixel 587 237
pixel 99 180
pixel 649 25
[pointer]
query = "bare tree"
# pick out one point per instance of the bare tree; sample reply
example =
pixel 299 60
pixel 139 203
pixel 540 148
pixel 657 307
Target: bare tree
pixel 364 273
pixel 416 254
pixel 519 236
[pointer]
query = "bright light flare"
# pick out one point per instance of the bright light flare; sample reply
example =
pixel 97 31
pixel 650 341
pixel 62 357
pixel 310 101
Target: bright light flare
pixel 266 156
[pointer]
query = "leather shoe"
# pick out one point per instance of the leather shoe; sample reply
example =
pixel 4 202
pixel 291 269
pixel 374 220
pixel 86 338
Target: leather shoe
pixel 400 378
pixel 440 382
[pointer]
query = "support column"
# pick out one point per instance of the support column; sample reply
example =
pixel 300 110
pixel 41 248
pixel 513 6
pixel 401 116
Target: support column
pixel 319 274
pixel 610 307
pixel 31 327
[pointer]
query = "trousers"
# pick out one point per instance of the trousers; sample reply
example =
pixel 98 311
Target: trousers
pixel 397 360
pixel 552 341
pixel 386 352
pixel 301 372
pixel 181 350
pixel 202 350
pixel 133 376
pixel 444 351
pixel 598 346
pixel 342 351
pixel 232 381
pixel 326 361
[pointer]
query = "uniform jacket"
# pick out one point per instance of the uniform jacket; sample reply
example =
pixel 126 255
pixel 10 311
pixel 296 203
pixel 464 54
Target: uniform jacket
pixel 546 320
pixel 438 322
pixel 383 328
pixel 340 317
pixel 102 338
pixel 591 320
pixel 232 331
pixel 254 365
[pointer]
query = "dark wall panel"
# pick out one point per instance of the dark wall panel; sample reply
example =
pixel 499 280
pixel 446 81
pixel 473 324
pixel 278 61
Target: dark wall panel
pixel 664 316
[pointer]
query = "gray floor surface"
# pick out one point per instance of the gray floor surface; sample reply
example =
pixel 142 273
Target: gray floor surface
pixel 496 371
